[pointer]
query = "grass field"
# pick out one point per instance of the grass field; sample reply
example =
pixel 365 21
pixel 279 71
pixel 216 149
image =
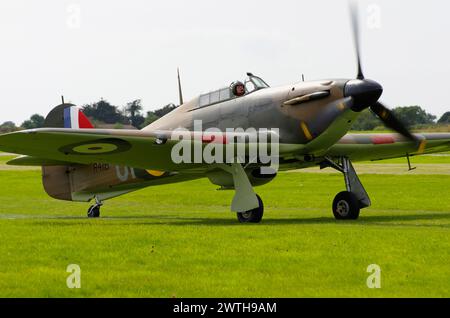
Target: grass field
pixel 181 240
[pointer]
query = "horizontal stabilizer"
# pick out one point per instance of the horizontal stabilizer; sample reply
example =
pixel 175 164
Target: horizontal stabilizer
pixel 35 161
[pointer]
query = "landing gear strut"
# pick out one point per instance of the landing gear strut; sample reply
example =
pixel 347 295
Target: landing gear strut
pixel 94 210
pixel 246 203
pixel 347 204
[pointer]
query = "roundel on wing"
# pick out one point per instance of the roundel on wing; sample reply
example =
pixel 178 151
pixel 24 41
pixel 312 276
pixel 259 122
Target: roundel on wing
pixel 95 147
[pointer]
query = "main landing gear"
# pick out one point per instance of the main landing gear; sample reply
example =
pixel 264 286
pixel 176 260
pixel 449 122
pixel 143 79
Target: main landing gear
pixel 246 203
pixel 94 210
pixel 252 216
pixel 347 204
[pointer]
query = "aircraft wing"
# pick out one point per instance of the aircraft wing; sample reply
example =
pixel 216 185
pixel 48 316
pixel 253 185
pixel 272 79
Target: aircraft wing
pixel 87 146
pixel 362 147
pixel 134 148
pixel 144 149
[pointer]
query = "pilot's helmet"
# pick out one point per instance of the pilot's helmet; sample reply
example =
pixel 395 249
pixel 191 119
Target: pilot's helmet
pixel 238 88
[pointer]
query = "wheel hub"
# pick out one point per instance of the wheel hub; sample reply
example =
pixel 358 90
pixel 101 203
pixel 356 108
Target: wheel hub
pixel 343 208
pixel 247 214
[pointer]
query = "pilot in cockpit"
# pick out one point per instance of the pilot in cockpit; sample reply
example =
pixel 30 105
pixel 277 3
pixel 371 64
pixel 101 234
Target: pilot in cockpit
pixel 238 89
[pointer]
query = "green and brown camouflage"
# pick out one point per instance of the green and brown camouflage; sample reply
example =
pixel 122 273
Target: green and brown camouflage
pixel 310 128
pixel 310 122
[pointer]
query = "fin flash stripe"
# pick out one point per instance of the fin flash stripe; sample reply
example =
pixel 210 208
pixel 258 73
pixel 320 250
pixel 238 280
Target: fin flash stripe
pixel 74 118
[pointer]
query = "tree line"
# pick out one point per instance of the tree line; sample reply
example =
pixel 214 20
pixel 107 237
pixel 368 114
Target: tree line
pixel 414 117
pixel 102 114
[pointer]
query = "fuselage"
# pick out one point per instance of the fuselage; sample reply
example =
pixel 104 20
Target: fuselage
pixel 301 111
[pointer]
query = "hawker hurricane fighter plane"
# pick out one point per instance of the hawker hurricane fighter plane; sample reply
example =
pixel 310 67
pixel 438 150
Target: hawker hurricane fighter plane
pixel 308 120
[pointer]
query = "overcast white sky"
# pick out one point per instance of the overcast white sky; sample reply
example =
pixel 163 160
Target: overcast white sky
pixel 123 50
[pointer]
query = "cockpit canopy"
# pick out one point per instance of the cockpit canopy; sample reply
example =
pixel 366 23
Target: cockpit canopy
pixel 252 84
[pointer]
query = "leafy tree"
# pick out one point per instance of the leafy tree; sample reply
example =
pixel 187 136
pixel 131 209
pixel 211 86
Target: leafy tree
pixel 409 115
pixel 165 110
pixel 8 126
pixel 134 109
pixel 445 119
pixel 366 121
pixel 156 114
pixel 413 115
pixel 104 112
pixel 35 121
pixel 150 118
pixel 138 121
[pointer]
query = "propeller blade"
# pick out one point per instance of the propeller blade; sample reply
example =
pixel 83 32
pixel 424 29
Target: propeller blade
pixel 355 29
pixel 364 89
pixel 389 119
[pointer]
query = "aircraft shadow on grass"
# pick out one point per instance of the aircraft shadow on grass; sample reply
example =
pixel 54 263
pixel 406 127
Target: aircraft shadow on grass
pixel 394 220
pixel 154 220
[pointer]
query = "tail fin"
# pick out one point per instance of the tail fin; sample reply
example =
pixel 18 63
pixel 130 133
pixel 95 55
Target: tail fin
pixel 56 179
pixel 67 116
pixel 81 183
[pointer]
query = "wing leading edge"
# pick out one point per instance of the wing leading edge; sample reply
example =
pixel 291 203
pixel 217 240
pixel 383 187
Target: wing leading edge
pixel 361 147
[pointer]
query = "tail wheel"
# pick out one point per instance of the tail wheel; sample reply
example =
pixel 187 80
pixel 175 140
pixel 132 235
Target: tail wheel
pixel 254 215
pixel 94 211
pixel 346 206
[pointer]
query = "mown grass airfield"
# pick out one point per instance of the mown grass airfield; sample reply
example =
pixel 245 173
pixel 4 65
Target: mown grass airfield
pixel 180 241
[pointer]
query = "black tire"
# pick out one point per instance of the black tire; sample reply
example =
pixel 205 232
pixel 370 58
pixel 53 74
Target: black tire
pixel 346 206
pixel 93 211
pixel 252 216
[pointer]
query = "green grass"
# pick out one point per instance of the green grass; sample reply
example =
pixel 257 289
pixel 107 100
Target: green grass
pixel 441 158
pixel 6 158
pixel 181 240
